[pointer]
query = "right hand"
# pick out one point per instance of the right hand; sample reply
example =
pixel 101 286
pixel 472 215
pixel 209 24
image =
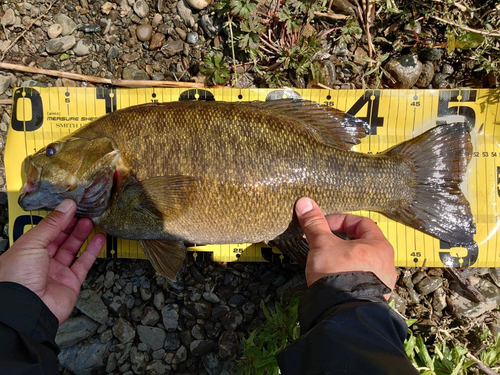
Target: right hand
pixel 368 250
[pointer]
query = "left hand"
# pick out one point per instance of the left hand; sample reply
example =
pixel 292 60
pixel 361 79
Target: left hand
pixel 43 259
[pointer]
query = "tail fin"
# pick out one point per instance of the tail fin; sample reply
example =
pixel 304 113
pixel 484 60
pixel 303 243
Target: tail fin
pixel 440 157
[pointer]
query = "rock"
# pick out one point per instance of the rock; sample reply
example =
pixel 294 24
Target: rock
pixel 150 316
pixel 185 13
pixel 157 367
pixel 90 28
pixel 106 336
pixel 199 4
pixel 54 30
pixel 82 48
pixel 109 279
pixel 111 363
pixel 159 300
pixel 232 320
pixel 211 364
pixel 447 69
pixel 74 330
pixel 139 360
pixel 67 24
pixel 133 72
pixel 156 41
pixel 129 301
pixel 236 300
pixel 145 294
pixel 4 83
pixel 170 315
pixel 429 285
pixel 85 356
pixel 192 38
pixel 9 18
pixel 118 306
pixel 180 355
pixel 141 8
pixel 201 347
pixel 248 308
pixel 219 311
pixel 91 305
pixel 144 32
pixel 201 309
pixel 440 81
pixel 60 45
pixel 425 78
pixel 123 330
pixel 153 337
pixel 430 54
pixel 439 300
pixel 211 297
pixel 198 332
pixel 130 57
pixel 172 341
pixel 405 70
pixel 157 19
pixel 465 308
pixel 228 345
pixel 210 28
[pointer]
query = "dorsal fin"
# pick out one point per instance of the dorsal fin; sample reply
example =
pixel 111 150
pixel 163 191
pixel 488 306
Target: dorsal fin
pixel 330 125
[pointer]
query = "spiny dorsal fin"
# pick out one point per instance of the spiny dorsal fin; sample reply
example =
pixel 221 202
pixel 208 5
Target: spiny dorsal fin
pixel 167 257
pixel 330 125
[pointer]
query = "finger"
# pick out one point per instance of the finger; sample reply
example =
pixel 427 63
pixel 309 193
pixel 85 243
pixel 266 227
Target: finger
pixel 68 250
pixel 45 232
pixel 355 226
pixel 83 264
pixel 56 244
pixel 312 221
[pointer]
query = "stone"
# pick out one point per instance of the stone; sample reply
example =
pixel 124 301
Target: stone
pixel 134 73
pixel 145 293
pixel 236 300
pixel 123 331
pixel 129 301
pixel 199 4
pixel 180 355
pixel 170 315
pixel 9 18
pixel 85 356
pixel 447 69
pixel 211 297
pixel 425 78
pixel 439 300
pixel 157 20
pixel 248 308
pixel 210 28
pixel 82 47
pixel 144 32
pixel 106 336
pixel 429 285
pixel 228 345
pixel 172 341
pixel 90 28
pixel 4 83
pixel 192 38
pixel 139 360
pixel 67 24
pixel 130 57
pixel 141 8
pixel 159 300
pixel 54 30
pixel 150 317
pixel 219 311
pixel 185 13
pixel 118 307
pixel 157 367
pixel 74 330
pixel 201 309
pixel 153 337
pixel 198 332
pixel 211 364
pixel 201 347
pixel 111 363
pixel 232 320
pixel 465 308
pixel 91 304
pixel 156 41
pixel 60 45
pixel 430 54
pixel 404 70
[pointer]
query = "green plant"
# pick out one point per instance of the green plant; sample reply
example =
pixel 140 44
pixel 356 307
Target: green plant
pixel 490 355
pixel 216 68
pixel 265 342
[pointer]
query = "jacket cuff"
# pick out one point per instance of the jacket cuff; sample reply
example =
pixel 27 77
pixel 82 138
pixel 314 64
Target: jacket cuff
pixel 26 313
pixel 335 289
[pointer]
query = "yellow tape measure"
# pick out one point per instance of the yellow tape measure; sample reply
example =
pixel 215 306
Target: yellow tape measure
pixel 43 115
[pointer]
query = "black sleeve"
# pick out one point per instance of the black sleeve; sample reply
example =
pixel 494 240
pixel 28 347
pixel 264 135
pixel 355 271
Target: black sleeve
pixel 347 328
pixel 27 332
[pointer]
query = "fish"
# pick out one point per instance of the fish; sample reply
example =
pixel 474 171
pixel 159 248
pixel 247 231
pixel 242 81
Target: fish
pixel 209 172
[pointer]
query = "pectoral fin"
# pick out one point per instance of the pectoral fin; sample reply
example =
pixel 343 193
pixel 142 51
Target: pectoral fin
pixel 293 243
pixel 167 257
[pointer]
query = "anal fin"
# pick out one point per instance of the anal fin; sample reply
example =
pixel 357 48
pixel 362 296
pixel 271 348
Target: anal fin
pixel 167 257
pixel 293 243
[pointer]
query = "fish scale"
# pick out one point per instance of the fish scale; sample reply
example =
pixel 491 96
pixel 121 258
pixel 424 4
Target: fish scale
pixel 214 172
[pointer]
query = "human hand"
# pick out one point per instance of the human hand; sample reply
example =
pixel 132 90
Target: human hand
pixel 368 250
pixel 42 259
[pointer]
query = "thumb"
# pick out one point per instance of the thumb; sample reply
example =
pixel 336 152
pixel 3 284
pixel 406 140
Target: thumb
pixel 311 219
pixel 51 226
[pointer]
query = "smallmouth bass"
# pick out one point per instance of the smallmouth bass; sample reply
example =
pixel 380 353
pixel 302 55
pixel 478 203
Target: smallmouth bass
pixel 212 172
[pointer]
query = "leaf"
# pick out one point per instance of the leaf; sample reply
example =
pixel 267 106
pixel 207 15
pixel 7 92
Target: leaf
pixel 469 41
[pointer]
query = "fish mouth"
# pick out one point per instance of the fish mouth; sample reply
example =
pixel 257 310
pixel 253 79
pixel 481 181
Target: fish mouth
pixel 32 183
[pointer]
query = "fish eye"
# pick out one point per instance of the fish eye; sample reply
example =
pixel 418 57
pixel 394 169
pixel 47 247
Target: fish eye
pixel 51 149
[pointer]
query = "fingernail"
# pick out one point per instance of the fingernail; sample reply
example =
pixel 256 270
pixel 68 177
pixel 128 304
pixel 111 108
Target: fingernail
pixel 64 206
pixel 303 206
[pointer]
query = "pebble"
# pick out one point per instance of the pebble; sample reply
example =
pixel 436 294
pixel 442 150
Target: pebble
pixel 9 18
pixel 439 300
pixel 439 81
pixel 68 25
pixel 228 345
pixel 192 38
pixel 159 299
pixel 74 330
pixel 133 72
pixel 157 367
pixel 123 331
pixel 201 347
pixel 211 297
pixel 141 8
pixel 199 4
pixel 198 332
pixel 180 355
pixel 145 294
pixel 447 69
pixel 91 305
pixel 60 45
pixel 236 300
pixel 82 47
pixel 54 30
pixel 106 336
pixel 185 13
pixel 144 32
pixel 430 54
pixel 85 356
pixel 201 309
pixel 405 70
pixel 118 306
pixel 426 76
pixel 90 28
pixel 157 19
pixel 172 341
pixel 156 41
pixel 153 337
pixel 150 316
pixel 138 359
pixel 4 83
pixel 170 316
pixel 211 364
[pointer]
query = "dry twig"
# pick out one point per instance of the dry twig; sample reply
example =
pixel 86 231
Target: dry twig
pixel 26 29
pixel 104 81
pixel 466 28
pixel 487 370
pixel 466 285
